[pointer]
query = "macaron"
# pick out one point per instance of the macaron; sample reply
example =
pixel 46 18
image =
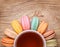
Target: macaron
pixel 7 40
pixel 51 43
pixel 25 21
pixel 48 33
pixel 16 26
pixel 42 27
pixel 10 33
pixel 7 45
pixel 50 37
pixel 34 23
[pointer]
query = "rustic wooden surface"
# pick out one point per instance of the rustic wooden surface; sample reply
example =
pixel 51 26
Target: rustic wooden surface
pixel 13 9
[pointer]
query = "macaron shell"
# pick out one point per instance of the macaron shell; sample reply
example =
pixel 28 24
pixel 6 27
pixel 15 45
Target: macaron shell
pixel 51 42
pixel 7 40
pixel 34 23
pixel 7 45
pixel 25 21
pixel 42 29
pixel 16 26
pixel 48 33
pixel 10 33
pixel 50 37
pixel 40 25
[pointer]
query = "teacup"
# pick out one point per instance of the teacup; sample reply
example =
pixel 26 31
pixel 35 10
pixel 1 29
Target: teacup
pixel 30 38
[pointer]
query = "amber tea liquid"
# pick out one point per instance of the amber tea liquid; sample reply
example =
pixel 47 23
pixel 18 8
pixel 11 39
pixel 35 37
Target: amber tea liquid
pixel 29 39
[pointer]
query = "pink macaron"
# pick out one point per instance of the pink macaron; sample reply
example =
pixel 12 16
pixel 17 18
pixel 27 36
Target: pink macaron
pixel 25 21
pixel 50 37
pixel 49 34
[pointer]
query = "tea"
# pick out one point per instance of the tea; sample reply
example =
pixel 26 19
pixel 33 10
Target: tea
pixel 29 39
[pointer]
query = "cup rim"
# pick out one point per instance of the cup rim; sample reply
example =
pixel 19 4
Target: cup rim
pixel 25 31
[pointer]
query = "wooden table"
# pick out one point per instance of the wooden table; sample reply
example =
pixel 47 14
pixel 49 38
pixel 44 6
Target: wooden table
pixel 13 9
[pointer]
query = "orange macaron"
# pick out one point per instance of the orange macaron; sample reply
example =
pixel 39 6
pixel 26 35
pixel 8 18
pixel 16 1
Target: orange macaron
pixel 7 45
pixel 7 40
pixel 42 27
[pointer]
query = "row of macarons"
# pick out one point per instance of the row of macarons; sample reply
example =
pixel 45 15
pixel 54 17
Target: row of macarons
pixel 27 24
pixel 34 24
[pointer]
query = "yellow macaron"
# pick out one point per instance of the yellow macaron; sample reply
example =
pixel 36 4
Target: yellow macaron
pixel 51 43
pixel 16 26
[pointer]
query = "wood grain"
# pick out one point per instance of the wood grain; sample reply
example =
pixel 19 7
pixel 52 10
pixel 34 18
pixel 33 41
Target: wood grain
pixel 13 9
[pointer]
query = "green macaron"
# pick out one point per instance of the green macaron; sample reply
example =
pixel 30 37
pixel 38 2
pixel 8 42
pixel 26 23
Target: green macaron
pixel 34 23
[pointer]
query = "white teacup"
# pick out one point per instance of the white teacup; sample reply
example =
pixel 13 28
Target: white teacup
pixel 20 40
